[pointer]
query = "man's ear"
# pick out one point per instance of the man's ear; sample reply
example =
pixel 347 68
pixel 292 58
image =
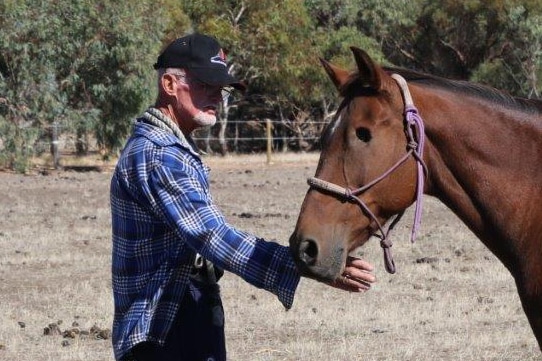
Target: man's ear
pixel 169 84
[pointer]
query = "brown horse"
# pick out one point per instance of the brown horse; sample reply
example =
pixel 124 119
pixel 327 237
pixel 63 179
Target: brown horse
pixel 476 149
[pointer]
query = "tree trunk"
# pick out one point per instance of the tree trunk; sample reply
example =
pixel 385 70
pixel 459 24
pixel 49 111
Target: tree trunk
pixel 223 125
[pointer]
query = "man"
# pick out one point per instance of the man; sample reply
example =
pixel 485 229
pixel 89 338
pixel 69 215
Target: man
pixel 169 238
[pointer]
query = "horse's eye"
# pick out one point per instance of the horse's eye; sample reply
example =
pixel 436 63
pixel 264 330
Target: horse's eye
pixel 363 134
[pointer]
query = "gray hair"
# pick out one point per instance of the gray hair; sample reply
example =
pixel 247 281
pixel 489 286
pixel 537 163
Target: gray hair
pixel 175 71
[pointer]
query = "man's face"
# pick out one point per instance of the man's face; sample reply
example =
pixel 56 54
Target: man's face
pixel 199 101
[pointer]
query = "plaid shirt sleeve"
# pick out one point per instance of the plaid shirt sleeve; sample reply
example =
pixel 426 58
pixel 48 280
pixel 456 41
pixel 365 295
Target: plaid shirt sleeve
pixel 180 194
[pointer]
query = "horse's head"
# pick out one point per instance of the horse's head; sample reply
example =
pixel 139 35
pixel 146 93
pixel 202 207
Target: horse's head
pixel 364 175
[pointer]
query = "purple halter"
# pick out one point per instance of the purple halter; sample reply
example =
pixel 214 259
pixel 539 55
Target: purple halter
pixel 415 133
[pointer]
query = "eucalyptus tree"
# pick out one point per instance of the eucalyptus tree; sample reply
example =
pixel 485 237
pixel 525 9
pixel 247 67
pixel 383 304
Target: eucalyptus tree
pixel 517 65
pixel 272 49
pixel 492 41
pixel 336 29
pixel 86 65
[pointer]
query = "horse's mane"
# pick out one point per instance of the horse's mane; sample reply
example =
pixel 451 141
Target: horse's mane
pixel 468 88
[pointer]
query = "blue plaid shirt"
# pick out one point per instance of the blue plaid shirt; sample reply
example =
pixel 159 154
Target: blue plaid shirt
pixel 162 215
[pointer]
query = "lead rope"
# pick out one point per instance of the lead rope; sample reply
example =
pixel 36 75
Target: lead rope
pixel 415 133
pixel 157 118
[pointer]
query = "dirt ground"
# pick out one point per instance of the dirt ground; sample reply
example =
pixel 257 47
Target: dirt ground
pixel 450 300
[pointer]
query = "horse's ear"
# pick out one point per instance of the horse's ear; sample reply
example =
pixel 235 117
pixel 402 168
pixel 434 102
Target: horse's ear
pixel 338 75
pixel 368 70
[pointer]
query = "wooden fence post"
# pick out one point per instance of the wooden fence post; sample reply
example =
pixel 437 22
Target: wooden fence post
pixel 54 146
pixel 269 139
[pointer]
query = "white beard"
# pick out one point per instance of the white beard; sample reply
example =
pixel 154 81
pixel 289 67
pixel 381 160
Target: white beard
pixel 205 120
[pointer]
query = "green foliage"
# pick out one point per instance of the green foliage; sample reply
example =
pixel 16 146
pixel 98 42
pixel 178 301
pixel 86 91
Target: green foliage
pixel 270 44
pixel 520 63
pixel 17 149
pixel 494 72
pixel 335 32
pixel 87 64
pixel 496 42
pixel 176 22
pixel 82 64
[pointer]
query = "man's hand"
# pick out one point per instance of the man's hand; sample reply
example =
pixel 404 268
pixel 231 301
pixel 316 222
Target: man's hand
pixel 357 276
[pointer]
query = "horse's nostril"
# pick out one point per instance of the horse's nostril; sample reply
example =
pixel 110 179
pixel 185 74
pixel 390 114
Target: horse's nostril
pixel 308 252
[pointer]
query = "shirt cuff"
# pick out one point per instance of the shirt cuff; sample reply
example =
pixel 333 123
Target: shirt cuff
pixel 288 278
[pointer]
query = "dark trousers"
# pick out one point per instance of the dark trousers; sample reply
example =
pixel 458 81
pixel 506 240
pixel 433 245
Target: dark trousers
pixel 197 333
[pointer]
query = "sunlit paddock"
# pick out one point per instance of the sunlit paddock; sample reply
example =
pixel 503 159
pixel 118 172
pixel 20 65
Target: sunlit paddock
pixel 450 299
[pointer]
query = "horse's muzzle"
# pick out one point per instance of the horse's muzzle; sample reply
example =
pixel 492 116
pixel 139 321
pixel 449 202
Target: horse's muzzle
pixel 315 261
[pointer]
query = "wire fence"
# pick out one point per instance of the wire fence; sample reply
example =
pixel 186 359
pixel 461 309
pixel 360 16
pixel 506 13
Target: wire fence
pixel 279 130
pixel 239 136
pixel 66 140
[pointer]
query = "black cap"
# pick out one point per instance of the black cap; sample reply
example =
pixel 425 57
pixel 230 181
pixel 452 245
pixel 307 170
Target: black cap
pixel 202 56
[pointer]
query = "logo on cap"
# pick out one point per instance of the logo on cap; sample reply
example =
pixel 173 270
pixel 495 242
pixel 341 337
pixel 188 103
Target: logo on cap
pixel 219 58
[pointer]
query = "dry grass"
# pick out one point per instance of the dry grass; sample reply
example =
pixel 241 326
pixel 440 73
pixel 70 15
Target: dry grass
pixel 460 304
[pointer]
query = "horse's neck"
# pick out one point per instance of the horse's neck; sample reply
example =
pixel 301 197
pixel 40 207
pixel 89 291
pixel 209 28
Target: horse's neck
pixel 482 161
